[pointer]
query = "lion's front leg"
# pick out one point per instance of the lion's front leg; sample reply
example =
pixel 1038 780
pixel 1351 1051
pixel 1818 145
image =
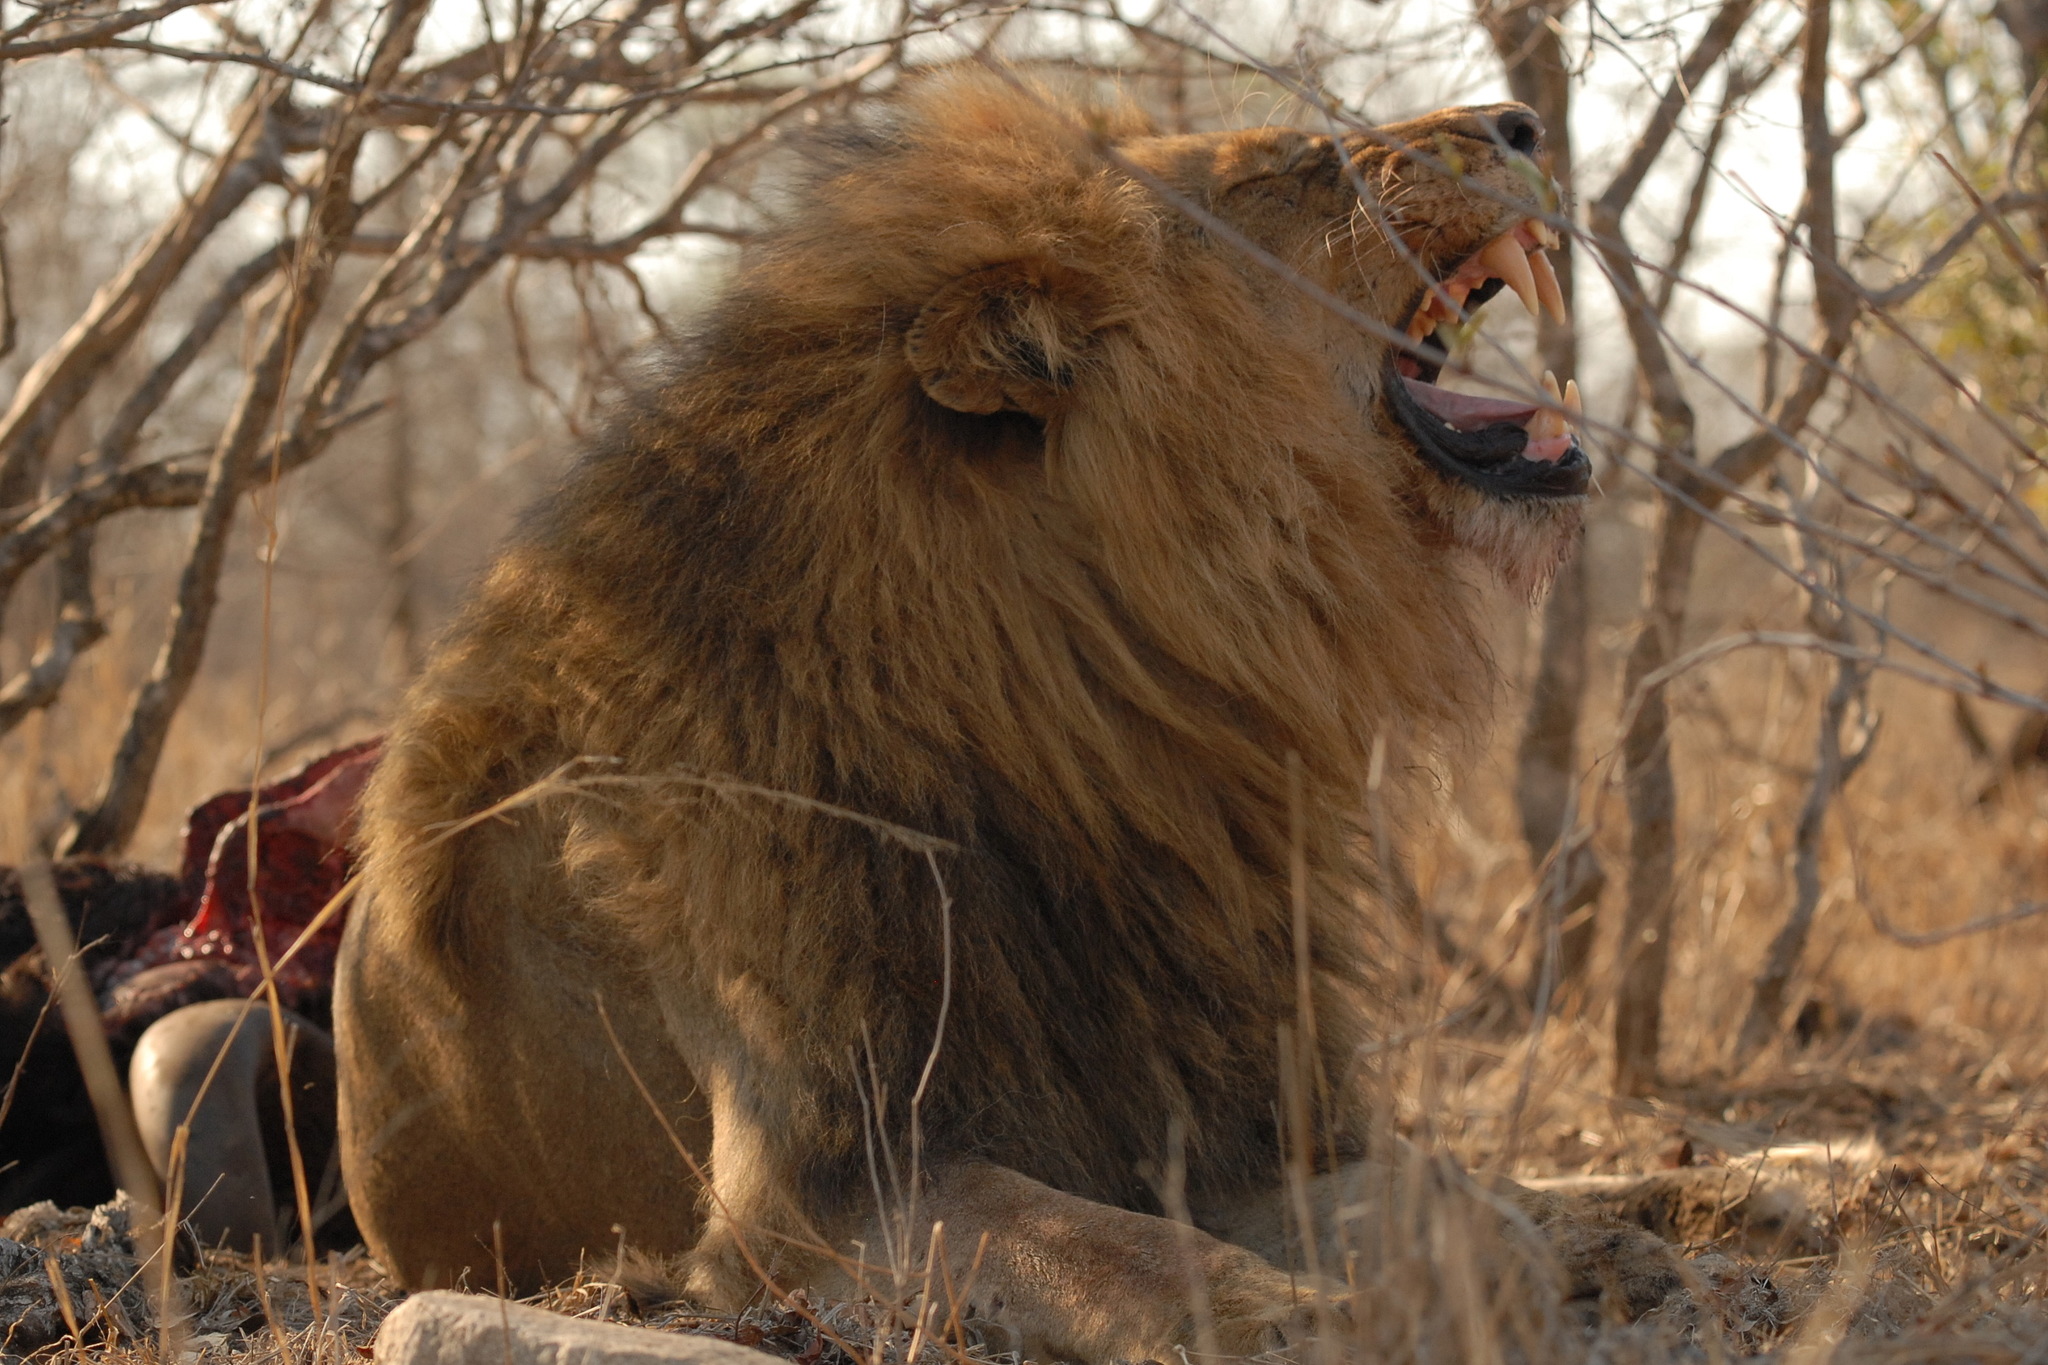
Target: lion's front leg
pixel 1079 1280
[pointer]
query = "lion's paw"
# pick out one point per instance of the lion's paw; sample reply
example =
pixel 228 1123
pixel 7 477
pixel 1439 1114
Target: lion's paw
pixel 1262 1309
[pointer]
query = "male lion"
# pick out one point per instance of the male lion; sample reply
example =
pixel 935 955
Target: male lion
pixel 1038 488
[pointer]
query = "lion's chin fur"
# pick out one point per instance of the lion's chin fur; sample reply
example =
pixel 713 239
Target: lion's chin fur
pixel 1524 541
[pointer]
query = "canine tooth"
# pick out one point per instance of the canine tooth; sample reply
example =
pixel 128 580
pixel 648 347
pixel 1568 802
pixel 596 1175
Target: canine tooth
pixel 1547 287
pixel 1550 387
pixel 1572 405
pixel 1504 258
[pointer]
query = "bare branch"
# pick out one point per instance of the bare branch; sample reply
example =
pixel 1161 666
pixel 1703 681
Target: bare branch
pixel 1652 789
pixel 107 826
pixel 1937 260
pixel 78 629
pixel 162 483
pixel 63 375
pixel 8 330
pixel 17 48
pixel 2025 911
pixel 121 434
pixel 1714 43
pixel 1527 38
pixel 399 101
pixel 2032 271
pixel 1832 769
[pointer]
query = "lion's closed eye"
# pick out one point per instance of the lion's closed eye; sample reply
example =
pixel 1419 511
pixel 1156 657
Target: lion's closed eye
pixel 1279 163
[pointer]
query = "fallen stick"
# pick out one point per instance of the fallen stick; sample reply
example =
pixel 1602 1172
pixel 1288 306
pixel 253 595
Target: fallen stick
pixel 81 1015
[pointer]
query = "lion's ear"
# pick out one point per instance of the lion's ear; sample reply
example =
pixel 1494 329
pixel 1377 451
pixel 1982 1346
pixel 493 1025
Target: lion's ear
pixel 1010 336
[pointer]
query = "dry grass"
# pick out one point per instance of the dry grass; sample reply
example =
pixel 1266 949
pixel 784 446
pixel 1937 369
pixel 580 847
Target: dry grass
pixel 1879 1174
pixel 1910 1114
pixel 1899 1204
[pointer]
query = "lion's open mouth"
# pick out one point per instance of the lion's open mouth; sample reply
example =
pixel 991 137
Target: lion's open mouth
pixel 1503 447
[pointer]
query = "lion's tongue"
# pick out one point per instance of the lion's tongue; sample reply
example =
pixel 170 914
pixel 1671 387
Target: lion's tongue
pixel 1469 412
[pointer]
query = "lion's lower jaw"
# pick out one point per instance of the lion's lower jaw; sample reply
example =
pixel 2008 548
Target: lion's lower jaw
pixel 1525 541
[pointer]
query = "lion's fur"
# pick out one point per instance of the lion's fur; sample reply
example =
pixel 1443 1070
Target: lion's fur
pixel 999 501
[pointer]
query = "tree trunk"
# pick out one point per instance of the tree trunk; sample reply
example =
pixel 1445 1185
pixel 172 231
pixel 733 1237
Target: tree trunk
pixel 2027 22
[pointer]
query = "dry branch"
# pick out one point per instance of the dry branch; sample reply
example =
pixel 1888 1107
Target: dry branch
pixel 81 1014
pixel 161 483
pixel 498 145
pixel 107 825
pixel 17 47
pixel 9 324
pixel 1652 790
pixel 1834 765
pixel 62 376
pixel 1935 937
pixel 78 629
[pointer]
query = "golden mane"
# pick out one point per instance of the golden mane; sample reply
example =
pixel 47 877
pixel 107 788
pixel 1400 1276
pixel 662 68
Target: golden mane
pixel 1201 564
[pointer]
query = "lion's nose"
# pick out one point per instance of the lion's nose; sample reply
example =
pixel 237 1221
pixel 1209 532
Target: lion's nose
pixel 1515 125
pixel 1521 129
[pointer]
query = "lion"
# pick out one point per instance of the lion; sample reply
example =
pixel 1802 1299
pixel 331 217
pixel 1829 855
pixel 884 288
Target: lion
pixel 898 750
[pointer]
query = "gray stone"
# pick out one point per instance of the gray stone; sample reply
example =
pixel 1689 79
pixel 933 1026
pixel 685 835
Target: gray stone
pixel 440 1328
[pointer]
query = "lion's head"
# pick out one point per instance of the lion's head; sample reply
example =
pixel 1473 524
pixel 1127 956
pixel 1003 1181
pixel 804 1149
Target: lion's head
pixel 1352 250
pixel 1044 446
pixel 1174 392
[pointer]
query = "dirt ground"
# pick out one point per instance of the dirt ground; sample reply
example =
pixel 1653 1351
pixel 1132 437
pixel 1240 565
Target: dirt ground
pixel 1876 1194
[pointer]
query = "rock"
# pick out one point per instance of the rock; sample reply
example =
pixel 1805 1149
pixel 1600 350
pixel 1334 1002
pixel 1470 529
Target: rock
pixel 16 1259
pixel 441 1328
